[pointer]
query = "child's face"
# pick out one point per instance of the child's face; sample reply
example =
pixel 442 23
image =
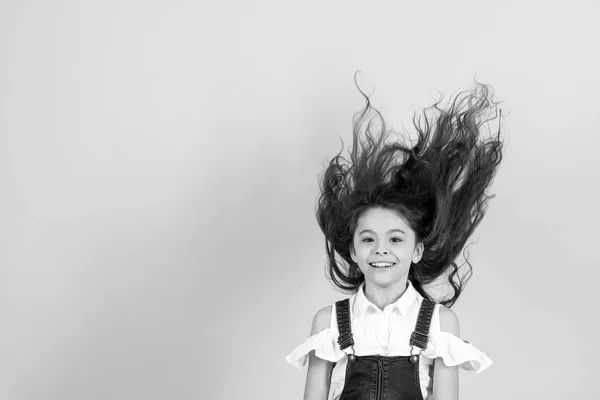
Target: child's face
pixel 382 235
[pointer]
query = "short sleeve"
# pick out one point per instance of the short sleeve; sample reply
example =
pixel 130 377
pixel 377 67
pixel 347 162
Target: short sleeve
pixel 456 351
pixel 323 343
pixel 452 349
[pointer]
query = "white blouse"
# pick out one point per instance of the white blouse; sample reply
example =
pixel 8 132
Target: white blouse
pixel 387 333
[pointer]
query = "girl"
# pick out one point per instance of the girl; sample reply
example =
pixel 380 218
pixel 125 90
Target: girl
pixel 395 218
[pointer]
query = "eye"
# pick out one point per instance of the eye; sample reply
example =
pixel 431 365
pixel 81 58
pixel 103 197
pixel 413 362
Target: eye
pixel 365 239
pixel 396 239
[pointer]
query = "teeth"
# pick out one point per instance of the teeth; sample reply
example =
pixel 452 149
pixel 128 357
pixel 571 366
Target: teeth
pixel 382 264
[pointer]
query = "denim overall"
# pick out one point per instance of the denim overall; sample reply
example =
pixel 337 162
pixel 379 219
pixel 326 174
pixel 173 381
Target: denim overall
pixel 375 377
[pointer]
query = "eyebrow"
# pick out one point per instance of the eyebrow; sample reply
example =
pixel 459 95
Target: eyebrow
pixel 391 230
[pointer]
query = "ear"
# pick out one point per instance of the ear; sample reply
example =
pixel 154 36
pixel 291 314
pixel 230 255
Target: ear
pixel 418 254
pixel 353 254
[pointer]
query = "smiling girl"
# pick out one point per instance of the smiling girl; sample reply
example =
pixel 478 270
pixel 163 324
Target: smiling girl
pixel 396 218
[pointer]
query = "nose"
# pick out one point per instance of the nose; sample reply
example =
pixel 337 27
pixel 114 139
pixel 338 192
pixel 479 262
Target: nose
pixel 380 247
pixel 380 250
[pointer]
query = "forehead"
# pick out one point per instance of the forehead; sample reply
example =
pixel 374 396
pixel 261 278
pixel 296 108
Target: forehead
pixel 381 219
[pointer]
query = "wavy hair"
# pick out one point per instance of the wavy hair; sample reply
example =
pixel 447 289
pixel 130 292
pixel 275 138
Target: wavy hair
pixel 438 184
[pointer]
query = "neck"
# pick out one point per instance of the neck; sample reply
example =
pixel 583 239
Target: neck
pixel 383 296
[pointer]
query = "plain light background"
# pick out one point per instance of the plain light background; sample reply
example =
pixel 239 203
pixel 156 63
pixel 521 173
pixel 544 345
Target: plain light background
pixel 158 177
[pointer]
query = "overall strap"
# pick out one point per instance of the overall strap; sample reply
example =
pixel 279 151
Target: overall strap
pixel 342 309
pixel 420 336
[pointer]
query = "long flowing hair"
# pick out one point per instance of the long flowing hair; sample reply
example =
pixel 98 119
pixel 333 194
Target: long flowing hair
pixel 439 184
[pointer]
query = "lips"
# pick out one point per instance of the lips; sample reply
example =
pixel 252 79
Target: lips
pixel 382 264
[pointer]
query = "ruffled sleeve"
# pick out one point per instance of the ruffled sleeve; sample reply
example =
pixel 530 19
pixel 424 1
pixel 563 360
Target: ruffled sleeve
pixel 323 343
pixel 456 351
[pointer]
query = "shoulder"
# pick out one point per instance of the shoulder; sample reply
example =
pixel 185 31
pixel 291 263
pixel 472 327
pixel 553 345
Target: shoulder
pixel 321 320
pixel 449 321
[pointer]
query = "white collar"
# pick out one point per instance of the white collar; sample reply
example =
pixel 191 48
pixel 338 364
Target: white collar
pixel 403 304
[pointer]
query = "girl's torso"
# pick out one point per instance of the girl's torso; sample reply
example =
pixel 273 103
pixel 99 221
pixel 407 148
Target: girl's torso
pixel 387 333
pixel 382 345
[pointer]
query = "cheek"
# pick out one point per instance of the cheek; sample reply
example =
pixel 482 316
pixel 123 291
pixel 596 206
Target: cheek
pixel 363 252
pixel 404 252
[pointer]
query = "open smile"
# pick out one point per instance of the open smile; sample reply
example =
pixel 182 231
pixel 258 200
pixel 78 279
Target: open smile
pixel 382 265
